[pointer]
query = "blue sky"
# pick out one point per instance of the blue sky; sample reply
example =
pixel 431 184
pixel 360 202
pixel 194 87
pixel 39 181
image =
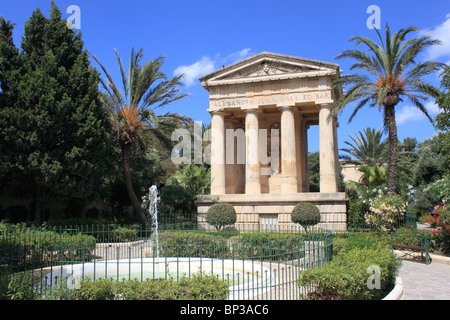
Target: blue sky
pixel 198 36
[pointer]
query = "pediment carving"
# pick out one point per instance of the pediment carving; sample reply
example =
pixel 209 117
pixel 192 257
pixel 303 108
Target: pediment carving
pixel 267 68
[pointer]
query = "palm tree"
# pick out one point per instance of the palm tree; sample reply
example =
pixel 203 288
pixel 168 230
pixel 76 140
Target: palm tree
pixel 374 176
pixel 145 88
pixel 391 74
pixel 367 148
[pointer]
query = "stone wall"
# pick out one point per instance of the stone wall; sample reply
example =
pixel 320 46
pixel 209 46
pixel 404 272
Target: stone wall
pixel 251 208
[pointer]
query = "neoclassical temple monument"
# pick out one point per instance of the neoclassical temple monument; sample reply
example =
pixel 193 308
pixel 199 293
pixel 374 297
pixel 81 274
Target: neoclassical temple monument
pixel 261 110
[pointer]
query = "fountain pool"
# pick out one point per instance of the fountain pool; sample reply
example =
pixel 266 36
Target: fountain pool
pixel 247 279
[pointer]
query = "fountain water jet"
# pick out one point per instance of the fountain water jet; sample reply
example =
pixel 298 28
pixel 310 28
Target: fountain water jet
pixel 153 215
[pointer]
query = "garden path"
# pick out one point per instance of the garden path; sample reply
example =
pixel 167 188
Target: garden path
pixel 425 282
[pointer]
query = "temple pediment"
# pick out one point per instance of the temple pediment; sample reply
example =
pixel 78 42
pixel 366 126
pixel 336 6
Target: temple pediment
pixel 268 66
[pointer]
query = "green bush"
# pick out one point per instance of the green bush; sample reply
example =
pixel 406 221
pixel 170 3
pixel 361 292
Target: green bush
pixel 124 234
pixel 198 287
pixel 18 286
pixel 351 240
pixel 268 246
pixel 221 214
pixel 32 248
pixel 348 275
pixel 193 244
pixel 386 212
pixel 306 214
pixel 101 289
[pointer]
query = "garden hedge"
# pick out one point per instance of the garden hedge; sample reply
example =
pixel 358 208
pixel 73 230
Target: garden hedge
pixel 347 275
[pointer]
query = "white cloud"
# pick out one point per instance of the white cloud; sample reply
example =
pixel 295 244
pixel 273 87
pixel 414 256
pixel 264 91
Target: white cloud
pixel 195 70
pixel 442 33
pixel 206 64
pixel 236 56
pixel 411 113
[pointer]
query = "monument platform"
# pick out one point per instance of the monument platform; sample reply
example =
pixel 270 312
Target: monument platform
pixel 273 211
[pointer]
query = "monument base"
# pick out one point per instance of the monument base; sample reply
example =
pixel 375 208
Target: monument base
pixel 273 211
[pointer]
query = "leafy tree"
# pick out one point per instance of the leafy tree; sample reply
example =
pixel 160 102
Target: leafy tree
pixel 194 177
pixel 132 110
pixel 391 73
pixel 367 148
pixel 62 133
pixel 428 166
pixel 406 162
pixel 9 62
pixel 442 120
pixel 314 171
pixel 10 69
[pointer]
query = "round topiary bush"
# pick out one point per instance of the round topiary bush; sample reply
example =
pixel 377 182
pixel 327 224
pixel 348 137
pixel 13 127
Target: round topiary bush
pixel 306 214
pixel 221 214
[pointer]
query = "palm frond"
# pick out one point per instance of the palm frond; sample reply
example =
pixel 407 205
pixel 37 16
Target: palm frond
pixel 124 76
pixel 110 85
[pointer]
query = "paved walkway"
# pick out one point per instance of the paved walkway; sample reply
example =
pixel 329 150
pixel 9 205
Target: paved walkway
pixel 426 282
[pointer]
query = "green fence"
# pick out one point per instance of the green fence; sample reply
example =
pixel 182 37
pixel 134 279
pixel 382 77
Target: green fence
pixel 256 264
pixel 409 219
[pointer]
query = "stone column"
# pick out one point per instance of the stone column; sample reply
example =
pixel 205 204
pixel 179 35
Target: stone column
pixel 336 151
pixel 218 185
pixel 288 150
pixel 230 162
pixel 305 158
pixel 252 164
pixel 328 181
pixel 300 143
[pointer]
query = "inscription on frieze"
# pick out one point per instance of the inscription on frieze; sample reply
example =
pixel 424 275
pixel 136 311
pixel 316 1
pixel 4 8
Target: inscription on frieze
pixel 270 100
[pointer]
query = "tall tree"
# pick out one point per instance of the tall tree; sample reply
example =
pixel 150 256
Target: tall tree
pixel 10 69
pixel 65 130
pixel 391 73
pixel 145 88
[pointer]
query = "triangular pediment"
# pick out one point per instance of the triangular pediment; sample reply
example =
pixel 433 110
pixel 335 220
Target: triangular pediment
pixel 268 66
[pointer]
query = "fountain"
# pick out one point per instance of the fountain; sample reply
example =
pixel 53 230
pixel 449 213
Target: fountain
pixel 246 279
pixel 153 215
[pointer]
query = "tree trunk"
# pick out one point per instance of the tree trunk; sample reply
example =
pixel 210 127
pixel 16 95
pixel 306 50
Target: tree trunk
pixel 392 138
pixel 38 205
pixel 126 153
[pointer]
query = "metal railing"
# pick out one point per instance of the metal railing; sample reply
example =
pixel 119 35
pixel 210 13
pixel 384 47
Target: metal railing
pixel 409 219
pixel 256 264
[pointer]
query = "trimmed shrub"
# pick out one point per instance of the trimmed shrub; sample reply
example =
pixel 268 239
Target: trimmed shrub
pixel 351 240
pixel 32 248
pixel 193 244
pixel 268 246
pixel 357 274
pixel 221 214
pixel 198 287
pixel 306 214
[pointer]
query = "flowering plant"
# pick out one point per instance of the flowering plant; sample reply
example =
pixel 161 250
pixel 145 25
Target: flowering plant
pixel 442 217
pixel 428 219
pixel 385 211
pixel 438 191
